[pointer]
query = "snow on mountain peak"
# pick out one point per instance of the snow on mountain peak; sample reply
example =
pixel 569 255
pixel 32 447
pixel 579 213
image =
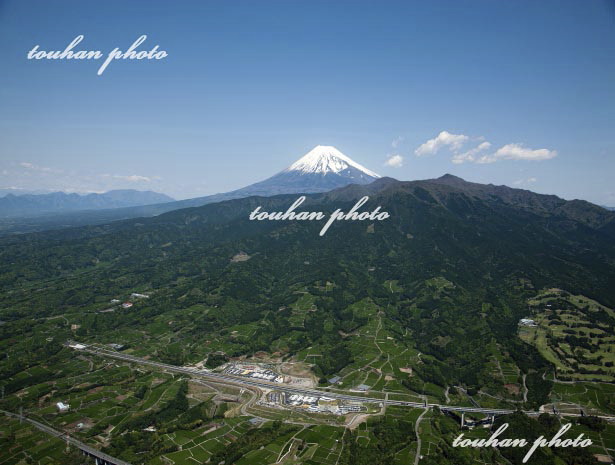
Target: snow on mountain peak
pixel 325 159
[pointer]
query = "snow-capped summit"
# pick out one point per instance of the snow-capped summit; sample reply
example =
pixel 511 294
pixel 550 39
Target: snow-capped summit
pixel 320 170
pixel 326 159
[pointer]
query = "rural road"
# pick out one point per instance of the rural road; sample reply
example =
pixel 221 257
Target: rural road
pixel 417 457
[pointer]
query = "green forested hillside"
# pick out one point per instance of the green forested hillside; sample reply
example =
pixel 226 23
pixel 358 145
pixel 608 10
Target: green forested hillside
pixel 426 302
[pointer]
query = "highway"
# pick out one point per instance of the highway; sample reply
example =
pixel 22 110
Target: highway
pixel 241 381
pixel 101 456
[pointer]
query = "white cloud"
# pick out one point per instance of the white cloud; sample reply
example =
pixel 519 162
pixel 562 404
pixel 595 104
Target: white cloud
pixel 394 161
pixel 397 141
pixel 454 142
pixel 131 178
pixel 444 139
pixel 518 152
pixel 470 155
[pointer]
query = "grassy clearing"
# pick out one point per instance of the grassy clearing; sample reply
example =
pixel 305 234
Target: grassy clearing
pixel 574 333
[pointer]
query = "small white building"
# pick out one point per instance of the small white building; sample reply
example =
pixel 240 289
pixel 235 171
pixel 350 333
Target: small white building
pixel 77 346
pixel 62 407
pixel 527 322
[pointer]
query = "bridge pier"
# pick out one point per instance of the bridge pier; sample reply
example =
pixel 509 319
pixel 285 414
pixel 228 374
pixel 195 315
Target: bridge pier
pixel 463 418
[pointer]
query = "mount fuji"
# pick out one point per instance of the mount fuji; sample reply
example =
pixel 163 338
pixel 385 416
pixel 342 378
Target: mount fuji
pixel 322 169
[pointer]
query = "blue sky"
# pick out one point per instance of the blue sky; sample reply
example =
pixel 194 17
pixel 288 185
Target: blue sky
pixel 248 87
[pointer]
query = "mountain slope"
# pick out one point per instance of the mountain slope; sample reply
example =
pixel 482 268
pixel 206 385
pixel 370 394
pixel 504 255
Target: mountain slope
pixel 31 204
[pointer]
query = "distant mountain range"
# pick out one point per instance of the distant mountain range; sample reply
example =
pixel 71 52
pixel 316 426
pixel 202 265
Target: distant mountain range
pixel 58 202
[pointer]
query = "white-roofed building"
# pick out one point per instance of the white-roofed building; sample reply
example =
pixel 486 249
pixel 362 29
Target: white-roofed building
pixel 62 407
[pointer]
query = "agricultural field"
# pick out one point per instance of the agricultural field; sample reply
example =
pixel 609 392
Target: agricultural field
pixel 379 360
pixel 198 445
pixel 20 443
pixel 595 396
pixel 300 309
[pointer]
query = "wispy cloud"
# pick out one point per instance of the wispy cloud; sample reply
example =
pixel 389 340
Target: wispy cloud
pixel 32 167
pixel 394 161
pixel 31 176
pixel 444 139
pixel 525 182
pixel 398 140
pixel 134 178
pixel 131 178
